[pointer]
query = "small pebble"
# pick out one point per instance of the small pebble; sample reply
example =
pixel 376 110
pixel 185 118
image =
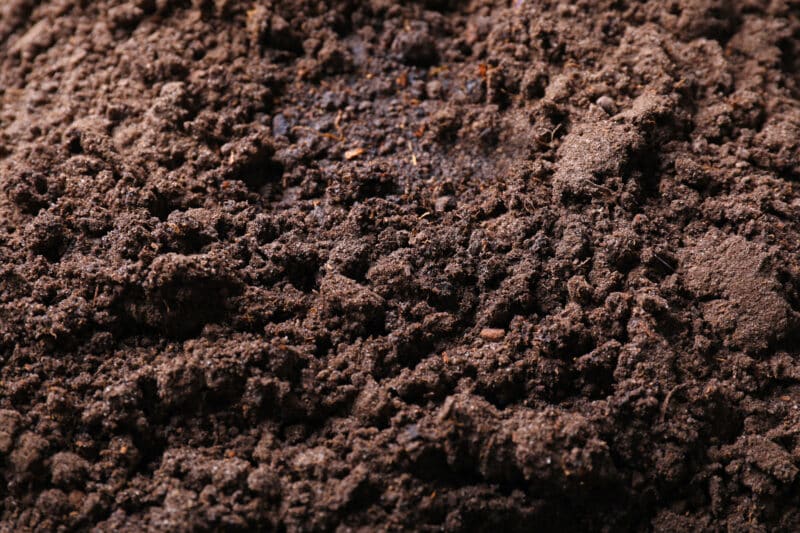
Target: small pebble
pixel 607 104
pixel 433 89
pixel 492 334
pixel 280 126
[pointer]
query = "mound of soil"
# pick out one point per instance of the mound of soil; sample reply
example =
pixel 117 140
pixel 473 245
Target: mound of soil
pixel 301 265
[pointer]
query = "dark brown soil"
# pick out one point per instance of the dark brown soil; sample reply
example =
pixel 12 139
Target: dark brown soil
pixel 430 265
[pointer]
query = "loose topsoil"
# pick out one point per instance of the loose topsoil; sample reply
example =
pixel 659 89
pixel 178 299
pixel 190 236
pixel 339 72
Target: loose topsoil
pixel 335 265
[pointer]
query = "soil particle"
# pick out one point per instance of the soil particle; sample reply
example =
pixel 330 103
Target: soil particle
pixel 492 334
pixel 415 46
pixel 425 265
pixel 10 424
pixel 68 469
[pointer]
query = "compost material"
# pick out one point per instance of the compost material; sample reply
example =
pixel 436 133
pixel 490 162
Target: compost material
pixel 430 265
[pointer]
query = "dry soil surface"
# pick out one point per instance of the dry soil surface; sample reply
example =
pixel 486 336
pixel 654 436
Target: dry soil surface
pixel 305 265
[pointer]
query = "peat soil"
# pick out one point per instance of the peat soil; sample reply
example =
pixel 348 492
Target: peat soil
pixel 335 265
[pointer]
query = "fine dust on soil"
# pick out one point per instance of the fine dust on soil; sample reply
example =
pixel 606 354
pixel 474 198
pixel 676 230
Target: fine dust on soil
pixel 303 265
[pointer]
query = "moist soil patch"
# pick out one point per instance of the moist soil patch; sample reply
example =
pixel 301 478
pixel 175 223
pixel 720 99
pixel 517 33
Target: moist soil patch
pixel 431 265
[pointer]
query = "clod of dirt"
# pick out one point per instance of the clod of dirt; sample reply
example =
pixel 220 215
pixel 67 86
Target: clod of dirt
pixel 415 46
pixel 732 278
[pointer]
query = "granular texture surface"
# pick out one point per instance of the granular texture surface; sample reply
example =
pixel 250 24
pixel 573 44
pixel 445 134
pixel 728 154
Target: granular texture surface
pixel 304 265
